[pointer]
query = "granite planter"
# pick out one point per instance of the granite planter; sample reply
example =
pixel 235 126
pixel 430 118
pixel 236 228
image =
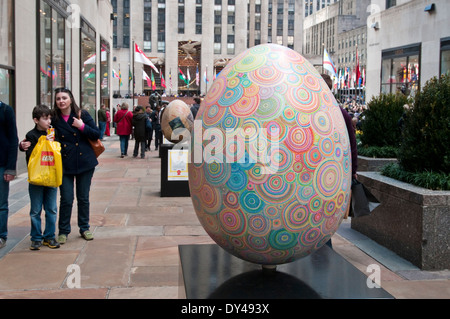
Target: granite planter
pixel 411 221
pixel 372 164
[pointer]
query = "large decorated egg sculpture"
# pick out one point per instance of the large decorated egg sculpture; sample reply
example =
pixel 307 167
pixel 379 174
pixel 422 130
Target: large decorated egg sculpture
pixel 176 118
pixel 270 165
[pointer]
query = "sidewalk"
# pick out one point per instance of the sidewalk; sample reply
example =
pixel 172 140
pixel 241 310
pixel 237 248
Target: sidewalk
pixel 137 233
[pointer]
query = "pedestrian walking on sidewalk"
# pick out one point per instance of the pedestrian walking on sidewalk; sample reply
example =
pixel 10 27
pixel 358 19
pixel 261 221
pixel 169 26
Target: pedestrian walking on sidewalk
pixel 156 124
pixel 123 119
pixel 41 196
pixel 140 131
pixel 102 118
pixel 74 127
pixel 8 161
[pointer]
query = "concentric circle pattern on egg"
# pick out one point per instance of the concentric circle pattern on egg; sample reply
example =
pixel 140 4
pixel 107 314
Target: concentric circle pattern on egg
pixel 270 166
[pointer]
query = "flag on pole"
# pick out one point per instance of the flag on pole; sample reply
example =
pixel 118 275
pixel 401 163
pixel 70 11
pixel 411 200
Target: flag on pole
pixel 364 77
pixel 182 76
pixel 358 71
pixel 188 77
pixel 197 77
pixel 140 57
pixel 153 82
pixel 130 76
pixel 114 74
pixel 170 79
pixel 147 78
pixel 163 82
pixel 205 77
pixel 328 64
pixel 120 78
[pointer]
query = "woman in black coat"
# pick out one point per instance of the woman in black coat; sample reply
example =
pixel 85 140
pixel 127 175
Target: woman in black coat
pixel 140 132
pixel 74 127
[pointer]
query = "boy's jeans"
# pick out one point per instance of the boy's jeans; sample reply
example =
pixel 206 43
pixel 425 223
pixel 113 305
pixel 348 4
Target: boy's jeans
pixel 42 196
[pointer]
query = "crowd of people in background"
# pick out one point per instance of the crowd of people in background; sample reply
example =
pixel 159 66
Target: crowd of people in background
pixel 355 110
pixel 143 124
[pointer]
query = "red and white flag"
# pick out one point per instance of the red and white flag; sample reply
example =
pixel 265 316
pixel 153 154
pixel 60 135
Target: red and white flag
pixel 147 78
pixel 140 57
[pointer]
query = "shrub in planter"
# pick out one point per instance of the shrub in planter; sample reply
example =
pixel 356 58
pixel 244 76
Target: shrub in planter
pixel 378 151
pixel 380 124
pixel 426 134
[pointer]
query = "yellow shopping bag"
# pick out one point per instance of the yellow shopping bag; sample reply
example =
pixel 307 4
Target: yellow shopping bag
pixel 45 163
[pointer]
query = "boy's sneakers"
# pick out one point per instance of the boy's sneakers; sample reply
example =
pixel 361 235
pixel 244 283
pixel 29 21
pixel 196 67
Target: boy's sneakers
pixel 35 245
pixel 51 243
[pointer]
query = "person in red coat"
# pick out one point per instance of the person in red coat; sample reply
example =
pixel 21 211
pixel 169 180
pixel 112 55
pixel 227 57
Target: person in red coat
pixel 108 122
pixel 123 119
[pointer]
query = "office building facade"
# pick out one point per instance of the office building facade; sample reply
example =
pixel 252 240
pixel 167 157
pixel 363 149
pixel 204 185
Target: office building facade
pixel 196 37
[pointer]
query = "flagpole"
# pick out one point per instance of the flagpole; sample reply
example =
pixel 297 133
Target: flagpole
pixel 132 59
pixel 323 53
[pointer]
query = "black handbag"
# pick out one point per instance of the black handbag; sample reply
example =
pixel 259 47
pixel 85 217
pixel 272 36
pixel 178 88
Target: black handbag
pixel 363 201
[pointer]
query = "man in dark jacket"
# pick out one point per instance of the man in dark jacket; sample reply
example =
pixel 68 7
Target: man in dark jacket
pixel 9 143
pixel 195 106
pixel 140 134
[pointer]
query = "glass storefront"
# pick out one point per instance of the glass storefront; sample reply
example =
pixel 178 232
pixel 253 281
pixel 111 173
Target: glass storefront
pixel 400 70
pixel 54 52
pixel 445 56
pixel 104 71
pixel 7 52
pixel 88 69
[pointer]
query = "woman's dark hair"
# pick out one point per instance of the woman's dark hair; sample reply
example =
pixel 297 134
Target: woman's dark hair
pixel 73 105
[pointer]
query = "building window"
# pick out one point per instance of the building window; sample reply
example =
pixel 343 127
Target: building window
pixel 147 25
pixel 6 53
pixel 88 69
pixel 54 52
pixel 198 17
pixel 105 52
pixel 126 24
pixel 280 16
pixel 181 14
pixel 390 3
pixel 270 21
pixel 445 56
pixel 230 48
pixel 161 26
pixel 400 70
pixel 230 27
